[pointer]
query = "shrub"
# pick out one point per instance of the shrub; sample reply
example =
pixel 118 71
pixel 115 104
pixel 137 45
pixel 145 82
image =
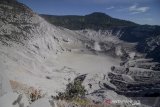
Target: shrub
pixel 35 95
pixel 73 91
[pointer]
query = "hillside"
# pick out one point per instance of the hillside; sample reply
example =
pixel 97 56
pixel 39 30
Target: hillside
pixel 130 31
pixel 29 46
pixel 94 21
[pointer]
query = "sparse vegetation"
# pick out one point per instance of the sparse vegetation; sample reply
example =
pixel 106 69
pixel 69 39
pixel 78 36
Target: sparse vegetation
pixel 75 89
pixel 31 93
pixel 75 92
pixel 35 95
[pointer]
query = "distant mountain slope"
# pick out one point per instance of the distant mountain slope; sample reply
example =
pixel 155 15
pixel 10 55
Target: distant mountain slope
pixel 145 35
pixel 94 21
pixel 129 31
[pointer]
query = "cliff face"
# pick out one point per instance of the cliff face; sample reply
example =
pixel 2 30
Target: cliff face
pixel 19 25
pixel 139 33
pixel 151 47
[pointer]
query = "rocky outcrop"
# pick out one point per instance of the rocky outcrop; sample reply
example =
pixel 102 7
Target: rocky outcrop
pixel 135 80
pixel 151 47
